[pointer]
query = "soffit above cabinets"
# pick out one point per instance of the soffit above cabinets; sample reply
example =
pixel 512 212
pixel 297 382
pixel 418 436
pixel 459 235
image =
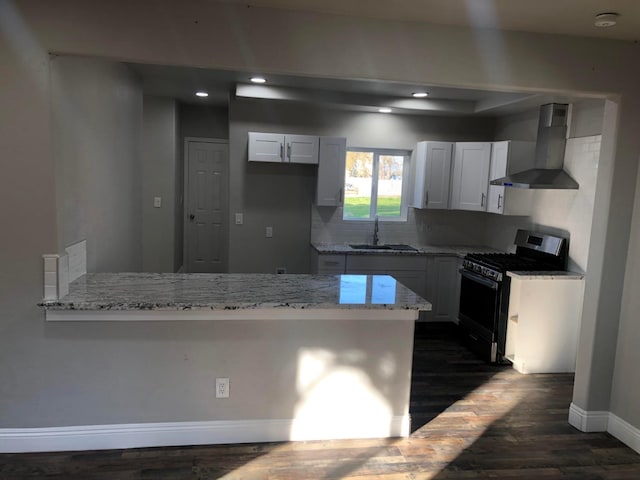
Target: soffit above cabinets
pixel 342 94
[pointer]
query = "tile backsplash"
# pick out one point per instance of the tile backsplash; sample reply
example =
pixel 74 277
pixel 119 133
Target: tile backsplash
pixel 327 226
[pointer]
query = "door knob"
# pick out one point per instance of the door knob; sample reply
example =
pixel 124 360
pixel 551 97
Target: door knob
pixel 192 216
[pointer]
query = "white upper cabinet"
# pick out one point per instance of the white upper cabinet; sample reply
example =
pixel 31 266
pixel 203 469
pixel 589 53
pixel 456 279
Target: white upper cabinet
pixel 509 157
pixel 470 178
pixel 331 165
pixel 433 175
pixel 301 149
pixel 266 147
pixel 278 147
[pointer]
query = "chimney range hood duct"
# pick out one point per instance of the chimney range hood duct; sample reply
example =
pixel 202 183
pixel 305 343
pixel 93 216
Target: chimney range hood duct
pixel 549 158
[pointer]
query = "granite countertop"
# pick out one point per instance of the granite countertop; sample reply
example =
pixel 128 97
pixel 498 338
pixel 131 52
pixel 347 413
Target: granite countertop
pixel 203 291
pixel 545 275
pixel 458 250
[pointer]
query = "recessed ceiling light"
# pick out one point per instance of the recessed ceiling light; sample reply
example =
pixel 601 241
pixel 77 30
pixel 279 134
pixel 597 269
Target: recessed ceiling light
pixel 419 94
pixel 384 110
pixel 258 79
pixel 606 19
pixel 202 94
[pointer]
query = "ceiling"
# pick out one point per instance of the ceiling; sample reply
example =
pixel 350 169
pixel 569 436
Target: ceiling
pixel 567 17
pixel 570 17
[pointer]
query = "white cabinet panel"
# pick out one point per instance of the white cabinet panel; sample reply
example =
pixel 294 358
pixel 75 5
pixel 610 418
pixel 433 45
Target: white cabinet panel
pixel 331 165
pixel 544 324
pixel 470 180
pixel 266 147
pixel 510 157
pixel 499 156
pixel 433 175
pixel 301 148
pixel 443 288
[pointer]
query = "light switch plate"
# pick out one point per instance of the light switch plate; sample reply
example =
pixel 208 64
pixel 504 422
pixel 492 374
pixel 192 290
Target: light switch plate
pixel 269 232
pixel 157 202
pixel 239 218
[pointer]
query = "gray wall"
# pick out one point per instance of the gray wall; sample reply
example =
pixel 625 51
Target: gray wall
pixel 203 121
pixel 159 165
pixel 96 121
pixel 47 370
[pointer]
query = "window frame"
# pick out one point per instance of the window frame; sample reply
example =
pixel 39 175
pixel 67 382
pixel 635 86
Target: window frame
pixel 406 168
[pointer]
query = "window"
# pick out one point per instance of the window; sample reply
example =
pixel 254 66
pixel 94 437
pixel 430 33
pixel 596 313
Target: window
pixel 375 184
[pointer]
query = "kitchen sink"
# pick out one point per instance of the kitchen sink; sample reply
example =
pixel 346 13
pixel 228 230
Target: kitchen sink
pixel 388 246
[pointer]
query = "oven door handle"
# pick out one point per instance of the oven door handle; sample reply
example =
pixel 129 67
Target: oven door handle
pixel 479 279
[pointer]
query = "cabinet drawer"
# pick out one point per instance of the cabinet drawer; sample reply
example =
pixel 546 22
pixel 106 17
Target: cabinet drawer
pixel 331 264
pixel 386 262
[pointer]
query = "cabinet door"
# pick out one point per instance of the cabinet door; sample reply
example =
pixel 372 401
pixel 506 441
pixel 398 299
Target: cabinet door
pixel 301 149
pixel 443 289
pixel 499 159
pixel 470 176
pixel 433 175
pixel 266 147
pixel 331 164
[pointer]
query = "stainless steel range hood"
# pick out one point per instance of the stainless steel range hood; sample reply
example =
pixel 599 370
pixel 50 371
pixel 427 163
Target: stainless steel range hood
pixel 549 158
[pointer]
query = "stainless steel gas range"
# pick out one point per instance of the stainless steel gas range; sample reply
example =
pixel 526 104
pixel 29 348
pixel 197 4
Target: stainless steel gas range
pixel 484 289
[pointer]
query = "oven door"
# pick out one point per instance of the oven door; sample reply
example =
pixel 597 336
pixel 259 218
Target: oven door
pixel 479 304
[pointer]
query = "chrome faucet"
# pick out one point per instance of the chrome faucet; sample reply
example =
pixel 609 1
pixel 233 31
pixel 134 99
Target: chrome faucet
pixel 375 231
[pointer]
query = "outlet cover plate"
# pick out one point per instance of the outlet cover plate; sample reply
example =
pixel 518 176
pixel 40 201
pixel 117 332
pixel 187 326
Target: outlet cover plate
pixel 222 388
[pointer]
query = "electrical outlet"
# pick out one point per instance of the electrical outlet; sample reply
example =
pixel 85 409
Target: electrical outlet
pixel 269 232
pixel 281 270
pixel 239 218
pixel 222 388
pixel 157 202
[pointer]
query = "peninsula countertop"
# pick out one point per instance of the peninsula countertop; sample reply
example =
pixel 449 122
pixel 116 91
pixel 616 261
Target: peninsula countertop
pixel 227 292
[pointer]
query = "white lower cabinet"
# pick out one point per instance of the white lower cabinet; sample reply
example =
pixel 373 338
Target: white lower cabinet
pixel 544 324
pixel 435 278
pixel 443 287
pixel 408 270
pixel 324 264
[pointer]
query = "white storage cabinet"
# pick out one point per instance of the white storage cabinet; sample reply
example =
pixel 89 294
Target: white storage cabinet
pixel 331 171
pixel 283 148
pixel 470 177
pixel 432 175
pixel 510 157
pixel 544 324
pixel 409 270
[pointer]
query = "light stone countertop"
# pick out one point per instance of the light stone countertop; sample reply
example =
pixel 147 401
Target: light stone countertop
pixel 458 250
pixel 202 291
pixel 545 275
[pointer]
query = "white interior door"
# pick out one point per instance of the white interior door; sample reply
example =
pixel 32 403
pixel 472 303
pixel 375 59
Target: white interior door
pixel 206 225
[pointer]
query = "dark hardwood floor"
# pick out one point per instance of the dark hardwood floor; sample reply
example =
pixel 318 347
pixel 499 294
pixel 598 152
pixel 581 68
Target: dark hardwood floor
pixel 470 421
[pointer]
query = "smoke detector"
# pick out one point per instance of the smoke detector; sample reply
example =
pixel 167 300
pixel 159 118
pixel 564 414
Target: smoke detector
pixel 606 19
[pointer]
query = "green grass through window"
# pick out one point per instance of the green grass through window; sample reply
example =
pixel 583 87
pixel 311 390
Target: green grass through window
pixel 358 207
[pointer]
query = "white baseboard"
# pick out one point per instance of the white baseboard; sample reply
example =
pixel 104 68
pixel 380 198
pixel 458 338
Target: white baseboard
pixel 100 437
pixel 596 421
pixel 624 431
pixel 603 421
